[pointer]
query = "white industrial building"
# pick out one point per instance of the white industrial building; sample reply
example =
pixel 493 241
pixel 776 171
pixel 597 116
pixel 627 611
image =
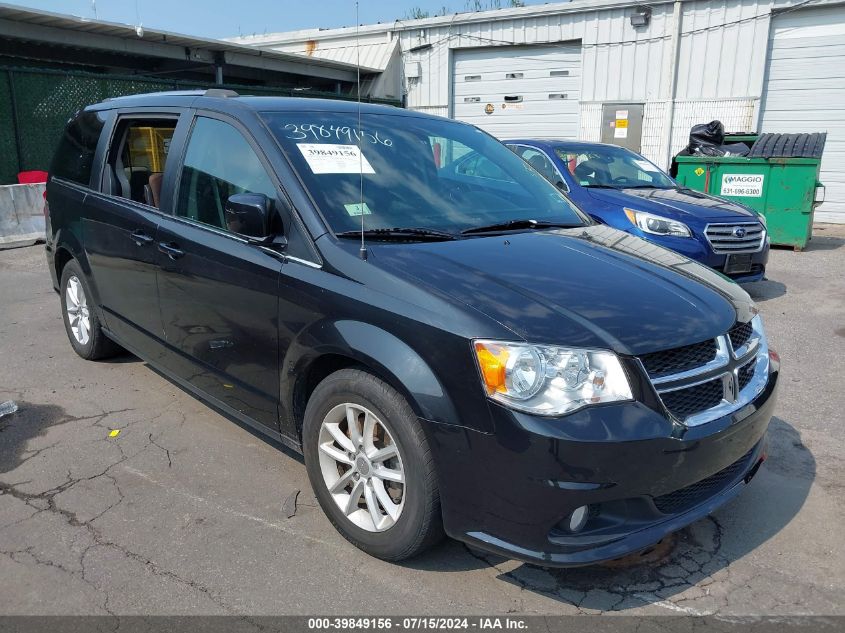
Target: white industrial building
pixel 566 70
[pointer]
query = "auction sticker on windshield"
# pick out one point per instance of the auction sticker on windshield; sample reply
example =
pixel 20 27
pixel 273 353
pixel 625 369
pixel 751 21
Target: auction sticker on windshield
pixel 331 158
pixel 645 165
pixel 744 185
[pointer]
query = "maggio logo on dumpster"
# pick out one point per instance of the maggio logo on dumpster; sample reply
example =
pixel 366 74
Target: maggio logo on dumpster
pixel 748 185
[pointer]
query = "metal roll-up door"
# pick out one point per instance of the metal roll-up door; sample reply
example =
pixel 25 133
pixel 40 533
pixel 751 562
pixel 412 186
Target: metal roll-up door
pixel 519 92
pixel 805 90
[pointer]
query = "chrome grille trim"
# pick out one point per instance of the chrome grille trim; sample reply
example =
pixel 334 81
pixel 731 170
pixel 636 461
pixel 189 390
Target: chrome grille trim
pixel 722 239
pixel 720 361
pixel 726 367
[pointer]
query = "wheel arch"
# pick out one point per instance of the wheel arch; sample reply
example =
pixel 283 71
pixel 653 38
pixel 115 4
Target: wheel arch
pixel 63 256
pixel 344 344
pixel 69 247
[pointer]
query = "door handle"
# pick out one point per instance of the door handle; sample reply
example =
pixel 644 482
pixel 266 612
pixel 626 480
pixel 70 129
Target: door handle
pixel 140 238
pixel 170 250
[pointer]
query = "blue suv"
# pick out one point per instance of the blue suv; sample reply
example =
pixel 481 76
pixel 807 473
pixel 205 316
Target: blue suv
pixel 622 189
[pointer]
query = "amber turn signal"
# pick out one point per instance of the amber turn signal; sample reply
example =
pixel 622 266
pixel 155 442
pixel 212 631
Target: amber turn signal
pixel 492 360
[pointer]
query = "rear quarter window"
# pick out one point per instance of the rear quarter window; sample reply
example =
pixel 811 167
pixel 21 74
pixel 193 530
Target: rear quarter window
pixel 74 155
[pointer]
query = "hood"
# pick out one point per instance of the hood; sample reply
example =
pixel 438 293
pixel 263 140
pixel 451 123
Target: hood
pixel 589 287
pixel 675 203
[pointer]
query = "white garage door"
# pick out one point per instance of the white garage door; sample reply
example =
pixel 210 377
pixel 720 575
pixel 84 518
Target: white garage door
pixel 519 92
pixel 805 91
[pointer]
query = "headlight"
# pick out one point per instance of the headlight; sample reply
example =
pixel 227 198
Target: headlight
pixel 657 225
pixel 549 380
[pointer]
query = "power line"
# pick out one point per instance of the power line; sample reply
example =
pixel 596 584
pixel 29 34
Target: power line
pixel 451 36
pixel 712 27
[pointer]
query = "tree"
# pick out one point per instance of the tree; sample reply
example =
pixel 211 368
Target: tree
pixel 471 6
pixel 416 13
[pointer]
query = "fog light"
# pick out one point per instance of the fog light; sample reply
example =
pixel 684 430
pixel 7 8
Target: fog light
pixel 576 521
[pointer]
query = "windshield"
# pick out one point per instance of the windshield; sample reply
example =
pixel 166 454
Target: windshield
pixel 614 167
pixel 418 172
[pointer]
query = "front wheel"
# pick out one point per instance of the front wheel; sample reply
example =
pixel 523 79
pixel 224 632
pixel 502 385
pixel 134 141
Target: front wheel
pixel 371 467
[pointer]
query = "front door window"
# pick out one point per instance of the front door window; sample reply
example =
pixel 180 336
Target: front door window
pixel 219 163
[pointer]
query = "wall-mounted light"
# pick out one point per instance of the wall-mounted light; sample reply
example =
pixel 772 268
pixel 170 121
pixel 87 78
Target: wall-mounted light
pixel 641 17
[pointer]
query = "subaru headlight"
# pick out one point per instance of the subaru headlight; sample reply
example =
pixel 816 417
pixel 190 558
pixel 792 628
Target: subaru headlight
pixel 549 380
pixel 656 224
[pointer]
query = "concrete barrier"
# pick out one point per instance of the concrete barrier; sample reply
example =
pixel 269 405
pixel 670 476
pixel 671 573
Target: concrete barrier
pixel 21 215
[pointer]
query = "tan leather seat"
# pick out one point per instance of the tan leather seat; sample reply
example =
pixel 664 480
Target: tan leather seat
pixel 153 189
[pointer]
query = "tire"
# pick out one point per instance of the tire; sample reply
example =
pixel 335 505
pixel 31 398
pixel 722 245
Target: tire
pixel 90 343
pixel 377 407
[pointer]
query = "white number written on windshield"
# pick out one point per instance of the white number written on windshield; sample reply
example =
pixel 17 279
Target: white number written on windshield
pixel 302 131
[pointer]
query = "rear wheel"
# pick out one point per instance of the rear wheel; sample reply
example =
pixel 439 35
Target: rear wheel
pixel 370 465
pixel 81 321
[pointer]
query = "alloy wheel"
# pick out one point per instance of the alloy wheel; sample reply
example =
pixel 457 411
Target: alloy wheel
pixel 362 467
pixel 79 317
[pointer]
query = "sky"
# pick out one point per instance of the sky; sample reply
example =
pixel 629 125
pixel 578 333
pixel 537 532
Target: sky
pixel 230 18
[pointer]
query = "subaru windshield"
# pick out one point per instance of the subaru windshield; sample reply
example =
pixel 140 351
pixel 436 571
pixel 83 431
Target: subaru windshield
pixel 612 167
pixel 421 176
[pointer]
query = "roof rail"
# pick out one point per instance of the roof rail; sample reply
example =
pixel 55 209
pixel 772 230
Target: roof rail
pixel 220 92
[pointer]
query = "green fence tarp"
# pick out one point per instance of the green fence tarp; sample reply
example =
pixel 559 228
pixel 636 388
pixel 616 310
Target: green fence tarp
pixel 35 105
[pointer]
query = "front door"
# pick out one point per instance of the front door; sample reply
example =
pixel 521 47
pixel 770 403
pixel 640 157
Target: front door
pixel 218 293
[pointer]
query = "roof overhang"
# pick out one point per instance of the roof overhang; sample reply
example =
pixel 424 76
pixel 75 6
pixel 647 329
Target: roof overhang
pixel 492 15
pixel 66 30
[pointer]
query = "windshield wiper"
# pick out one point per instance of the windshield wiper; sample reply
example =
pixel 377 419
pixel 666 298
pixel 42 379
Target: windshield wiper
pixel 512 225
pixel 402 233
pixel 644 187
pixel 600 186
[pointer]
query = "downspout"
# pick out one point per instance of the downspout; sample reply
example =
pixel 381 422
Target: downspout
pixel 219 61
pixel 677 12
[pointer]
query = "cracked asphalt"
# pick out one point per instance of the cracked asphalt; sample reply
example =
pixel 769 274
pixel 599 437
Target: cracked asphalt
pixel 185 512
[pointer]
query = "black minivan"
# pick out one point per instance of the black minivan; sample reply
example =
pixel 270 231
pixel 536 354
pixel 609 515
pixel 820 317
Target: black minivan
pixel 450 354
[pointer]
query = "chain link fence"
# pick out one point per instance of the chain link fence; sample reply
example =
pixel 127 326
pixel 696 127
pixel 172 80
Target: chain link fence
pixel 35 105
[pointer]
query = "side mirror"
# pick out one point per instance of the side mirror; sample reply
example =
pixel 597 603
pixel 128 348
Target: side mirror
pixel 562 186
pixel 248 214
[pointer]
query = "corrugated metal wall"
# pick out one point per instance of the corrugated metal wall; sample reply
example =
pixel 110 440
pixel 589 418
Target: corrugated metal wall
pixel 717 63
pixel 805 91
pixel 620 63
pixel 720 71
pixel 721 62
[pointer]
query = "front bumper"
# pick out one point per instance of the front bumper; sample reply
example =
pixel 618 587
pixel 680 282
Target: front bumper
pixel 642 476
pixel 697 248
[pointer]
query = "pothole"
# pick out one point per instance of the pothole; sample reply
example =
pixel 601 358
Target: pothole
pixel 657 553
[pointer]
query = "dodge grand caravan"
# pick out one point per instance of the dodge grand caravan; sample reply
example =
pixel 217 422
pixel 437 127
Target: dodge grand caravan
pixel 448 357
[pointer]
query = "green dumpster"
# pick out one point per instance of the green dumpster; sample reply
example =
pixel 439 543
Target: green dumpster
pixel 783 187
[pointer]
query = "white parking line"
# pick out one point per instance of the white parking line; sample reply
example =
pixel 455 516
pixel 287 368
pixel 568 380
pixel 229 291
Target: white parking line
pixel 671 606
pixel 216 506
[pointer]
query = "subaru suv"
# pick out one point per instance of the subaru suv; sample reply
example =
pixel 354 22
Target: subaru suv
pixel 624 190
pixel 449 356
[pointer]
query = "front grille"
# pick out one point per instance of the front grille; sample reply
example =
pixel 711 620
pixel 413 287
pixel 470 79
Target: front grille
pixel 741 237
pixel 696 493
pixel 685 402
pixel 745 374
pixel 679 359
pixel 740 334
